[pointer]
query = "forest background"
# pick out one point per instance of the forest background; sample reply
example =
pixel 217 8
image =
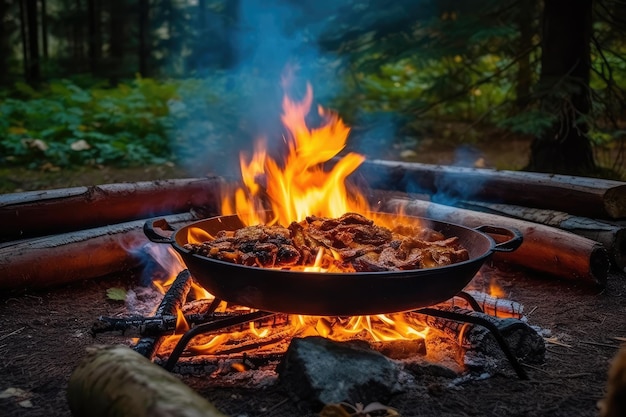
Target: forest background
pixel 182 86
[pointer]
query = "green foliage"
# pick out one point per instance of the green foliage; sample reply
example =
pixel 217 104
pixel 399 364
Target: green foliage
pixel 67 125
pixel 116 294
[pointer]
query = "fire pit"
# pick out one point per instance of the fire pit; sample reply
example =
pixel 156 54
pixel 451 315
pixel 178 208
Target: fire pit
pixel 438 311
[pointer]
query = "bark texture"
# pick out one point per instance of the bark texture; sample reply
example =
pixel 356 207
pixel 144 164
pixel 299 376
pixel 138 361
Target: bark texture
pixel 564 89
pixel 580 196
pixel 115 381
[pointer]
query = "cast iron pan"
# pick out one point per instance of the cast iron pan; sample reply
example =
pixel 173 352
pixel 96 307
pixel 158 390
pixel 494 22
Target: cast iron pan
pixel 335 294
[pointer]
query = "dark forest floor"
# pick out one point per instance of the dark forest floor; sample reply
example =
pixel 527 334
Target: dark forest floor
pixel 43 336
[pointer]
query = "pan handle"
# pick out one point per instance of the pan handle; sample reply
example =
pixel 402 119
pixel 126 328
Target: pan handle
pixel 149 229
pixel 515 237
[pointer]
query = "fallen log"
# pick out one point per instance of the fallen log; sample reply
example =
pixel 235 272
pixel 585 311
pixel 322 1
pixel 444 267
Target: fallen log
pixel 545 249
pixel 116 381
pixel 53 260
pixel 581 196
pixel 39 213
pixel 612 236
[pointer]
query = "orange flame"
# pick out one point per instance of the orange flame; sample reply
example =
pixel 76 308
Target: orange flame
pixel 295 187
pixel 299 186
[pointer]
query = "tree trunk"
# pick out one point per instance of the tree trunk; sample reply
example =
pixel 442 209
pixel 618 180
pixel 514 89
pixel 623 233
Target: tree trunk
pixel 95 41
pixel 33 74
pixel 44 29
pixel 524 70
pixel 144 43
pixel 564 89
pixel 117 38
pixel 5 44
pixel 24 37
pixel 77 58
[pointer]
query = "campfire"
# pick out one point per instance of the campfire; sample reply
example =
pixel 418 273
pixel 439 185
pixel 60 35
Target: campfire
pixel 299 258
pixel 379 273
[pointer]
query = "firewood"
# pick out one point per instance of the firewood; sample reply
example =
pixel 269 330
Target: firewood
pixel 478 343
pixel 545 249
pixel 116 381
pixel 39 213
pixel 53 260
pixel 612 236
pixel 494 306
pixel 172 301
pixel 581 196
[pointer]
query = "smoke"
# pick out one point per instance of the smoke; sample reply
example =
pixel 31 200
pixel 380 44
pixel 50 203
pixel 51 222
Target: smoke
pixel 267 40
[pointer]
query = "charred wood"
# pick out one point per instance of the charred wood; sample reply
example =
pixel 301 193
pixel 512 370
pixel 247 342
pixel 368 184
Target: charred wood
pixel 545 249
pixel 139 326
pixel 53 260
pixel 580 196
pixel 479 344
pixel 39 213
pixel 612 236
pixel 116 381
pixel 172 301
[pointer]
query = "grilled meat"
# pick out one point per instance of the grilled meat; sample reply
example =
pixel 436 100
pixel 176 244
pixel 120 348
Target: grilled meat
pixel 349 243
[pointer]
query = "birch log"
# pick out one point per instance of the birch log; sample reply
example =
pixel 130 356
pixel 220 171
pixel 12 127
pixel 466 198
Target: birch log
pixel 48 261
pixel 581 196
pixel 38 213
pixel 612 236
pixel 545 249
pixel 115 381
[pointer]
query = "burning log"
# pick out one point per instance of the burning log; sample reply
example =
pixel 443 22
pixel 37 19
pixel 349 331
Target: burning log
pixel 116 381
pixel 612 236
pixel 38 213
pixel 587 197
pixel 545 249
pixel 480 347
pixel 169 306
pixel 139 326
pixel 48 261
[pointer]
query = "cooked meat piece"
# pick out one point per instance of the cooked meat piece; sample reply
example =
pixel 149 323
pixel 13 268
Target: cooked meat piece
pixel 356 242
pixel 287 255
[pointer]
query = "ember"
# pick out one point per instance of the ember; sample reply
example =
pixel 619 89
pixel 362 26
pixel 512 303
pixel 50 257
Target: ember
pixel 350 243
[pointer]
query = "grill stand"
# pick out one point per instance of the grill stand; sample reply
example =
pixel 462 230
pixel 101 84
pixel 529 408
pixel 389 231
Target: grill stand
pixel 448 315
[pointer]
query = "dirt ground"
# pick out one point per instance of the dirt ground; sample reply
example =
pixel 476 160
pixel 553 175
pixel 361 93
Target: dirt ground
pixel 44 334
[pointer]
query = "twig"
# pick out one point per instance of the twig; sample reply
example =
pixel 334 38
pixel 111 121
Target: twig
pixel 536 368
pixel 275 406
pixel 554 341
pixel 12 333
pixel 578 375
pixel 588 342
